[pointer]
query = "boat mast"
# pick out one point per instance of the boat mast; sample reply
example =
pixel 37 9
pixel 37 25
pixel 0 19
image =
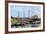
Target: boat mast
pixel 18 15
pixel 23 13
pixel 29 13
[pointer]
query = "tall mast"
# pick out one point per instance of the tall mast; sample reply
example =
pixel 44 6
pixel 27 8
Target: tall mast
pixel 29 13
pixel 18 16
pixel 23 13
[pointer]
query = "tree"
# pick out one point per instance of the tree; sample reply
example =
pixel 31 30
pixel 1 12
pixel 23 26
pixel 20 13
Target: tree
pixel 11 17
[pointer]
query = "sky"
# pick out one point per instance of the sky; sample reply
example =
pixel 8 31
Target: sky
pixel 34 10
